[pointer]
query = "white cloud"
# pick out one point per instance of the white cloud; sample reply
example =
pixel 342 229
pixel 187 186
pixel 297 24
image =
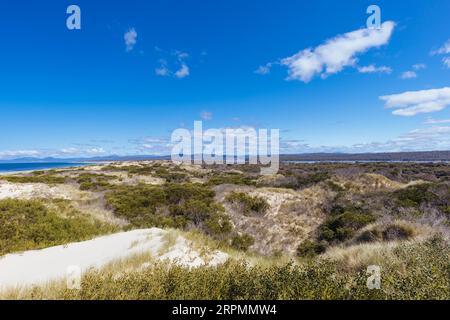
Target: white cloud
pixel 171 60
pixel 446 62
pixel 95 151
pixel 442 50
pixel 445 49
pixel 419 66
pixel 411 103
pixel 162 71
pixel 70 150
pixel 264 69
pixel 408 75
pixel 182 72
pixel 374 69
pixel 435 121
pixel 206 115
pixel 181 55
pixel 336 54
pixel 19 153
pixel 130 38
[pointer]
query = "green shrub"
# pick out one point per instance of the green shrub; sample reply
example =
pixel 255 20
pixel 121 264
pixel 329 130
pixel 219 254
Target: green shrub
pixel 397 232
pixel 171 176
pixel 342 226
pixel 131 169
pixel 94 182
pixel 309 249
pixel 29 224
pixel 169 205
pixel 218 225
pixel 369 236
pixel 139 205
pixel 35 178
pixel 415 195
pixel 250 204
pixel 242 242
pixel 391 232
pixel 230 178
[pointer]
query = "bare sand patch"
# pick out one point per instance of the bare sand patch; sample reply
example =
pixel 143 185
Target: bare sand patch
pixel 41 266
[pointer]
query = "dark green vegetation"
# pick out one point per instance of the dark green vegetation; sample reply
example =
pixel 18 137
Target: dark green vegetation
pixel 26 225
pixel 426 276
pixel 248 204
pixel 131 169
pixel 242 242
pixel 36 177
pixel 175 175
pixel 343 224
pixel 94 182
pixel 390 232
pixel 309 249
pixel 184 206
pixel 230 178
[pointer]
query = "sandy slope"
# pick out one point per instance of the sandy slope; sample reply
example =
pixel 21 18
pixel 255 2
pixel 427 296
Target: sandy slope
pixel 38 266
pixel 37 190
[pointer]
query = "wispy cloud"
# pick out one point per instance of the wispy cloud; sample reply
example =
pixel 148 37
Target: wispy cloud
pixel 445 49
pixel 419 66
pixel 19 153
pixel 335 54
pixel 182 72
pixel 436 121
pixel 178 59
pixel 411 103
pixel 264 69
pixel 162 70
pixel 408 75
pixel 130 38
pixel 446 62
pixel 206 115
pixel 374 69
pixel 442 50
pixel 59 153
pixel 424 139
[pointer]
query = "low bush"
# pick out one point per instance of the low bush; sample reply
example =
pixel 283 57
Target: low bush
pixel 94 182
pixel 35 178
pixel 249 204
pixel 170 205
pixel 29 224
pixel 397 232
pixel 391 232
pixel 230 178
pixel 343 224
pixel 171 176
pixel 309 249
pixel 242 242
pixel 415 195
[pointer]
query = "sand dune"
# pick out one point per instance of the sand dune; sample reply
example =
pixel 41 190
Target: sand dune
pixel 39 266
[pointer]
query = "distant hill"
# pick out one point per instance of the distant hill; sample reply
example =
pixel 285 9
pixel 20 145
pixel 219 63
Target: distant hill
pixel 387 156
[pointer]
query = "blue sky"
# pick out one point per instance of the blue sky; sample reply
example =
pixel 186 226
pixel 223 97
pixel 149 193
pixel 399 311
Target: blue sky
pixel 137 70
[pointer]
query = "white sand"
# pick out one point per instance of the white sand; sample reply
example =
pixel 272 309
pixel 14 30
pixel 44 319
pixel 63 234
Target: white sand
pixel 40 266
pixel 33 190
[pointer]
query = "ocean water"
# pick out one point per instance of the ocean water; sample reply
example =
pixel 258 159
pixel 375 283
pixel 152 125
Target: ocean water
pixel 12 167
